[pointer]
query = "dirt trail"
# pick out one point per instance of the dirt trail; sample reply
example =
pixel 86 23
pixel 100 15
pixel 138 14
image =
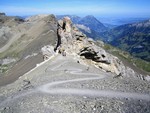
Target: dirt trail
pixel 48 88
pixel 52 88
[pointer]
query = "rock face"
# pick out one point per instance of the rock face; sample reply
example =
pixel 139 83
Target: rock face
pixel 72 41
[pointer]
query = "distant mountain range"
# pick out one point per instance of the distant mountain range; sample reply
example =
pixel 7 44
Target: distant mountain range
pixel 88 25
pixel 134 38
pixel 121 20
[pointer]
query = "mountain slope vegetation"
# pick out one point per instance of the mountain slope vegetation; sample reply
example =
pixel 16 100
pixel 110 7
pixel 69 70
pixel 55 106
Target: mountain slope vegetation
pixel 134 38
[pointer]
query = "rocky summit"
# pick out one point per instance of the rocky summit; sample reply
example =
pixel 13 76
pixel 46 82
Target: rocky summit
pixel 76 76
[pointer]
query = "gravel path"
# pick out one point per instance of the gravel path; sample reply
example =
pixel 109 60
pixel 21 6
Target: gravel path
pixel 61 85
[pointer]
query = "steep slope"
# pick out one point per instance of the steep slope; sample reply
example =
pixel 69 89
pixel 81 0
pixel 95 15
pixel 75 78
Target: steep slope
pixel 27 39
pixel 78 77
pixel 134 38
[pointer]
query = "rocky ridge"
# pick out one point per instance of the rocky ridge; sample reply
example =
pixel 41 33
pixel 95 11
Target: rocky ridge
pixel 73 42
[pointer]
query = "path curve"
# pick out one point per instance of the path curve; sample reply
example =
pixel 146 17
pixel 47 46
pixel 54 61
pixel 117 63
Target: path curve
pixel 48 88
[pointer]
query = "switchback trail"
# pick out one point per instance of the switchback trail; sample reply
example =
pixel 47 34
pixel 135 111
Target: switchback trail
pixel 52 88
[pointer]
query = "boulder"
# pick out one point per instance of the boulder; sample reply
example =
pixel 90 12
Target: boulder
pixel 47 52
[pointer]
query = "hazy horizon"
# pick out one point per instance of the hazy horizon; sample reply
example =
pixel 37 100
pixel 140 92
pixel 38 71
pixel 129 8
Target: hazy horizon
pixel 103 8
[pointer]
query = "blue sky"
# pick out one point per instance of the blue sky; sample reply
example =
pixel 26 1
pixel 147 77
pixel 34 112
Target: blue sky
pixel 129 8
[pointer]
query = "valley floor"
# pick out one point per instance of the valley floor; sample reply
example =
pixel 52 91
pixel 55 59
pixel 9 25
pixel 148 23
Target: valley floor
pixel 63 85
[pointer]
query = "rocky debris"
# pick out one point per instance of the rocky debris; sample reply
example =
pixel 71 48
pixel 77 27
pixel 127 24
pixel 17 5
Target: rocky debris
pixel 47 51
pixel 5 110
pixel 26 84
pixel 72 41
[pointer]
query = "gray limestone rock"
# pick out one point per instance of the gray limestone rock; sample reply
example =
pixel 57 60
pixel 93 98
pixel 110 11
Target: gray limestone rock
pixel 75 42
pixel 47 51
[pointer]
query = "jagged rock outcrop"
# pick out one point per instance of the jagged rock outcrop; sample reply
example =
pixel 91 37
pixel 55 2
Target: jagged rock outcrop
pixel 73 42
